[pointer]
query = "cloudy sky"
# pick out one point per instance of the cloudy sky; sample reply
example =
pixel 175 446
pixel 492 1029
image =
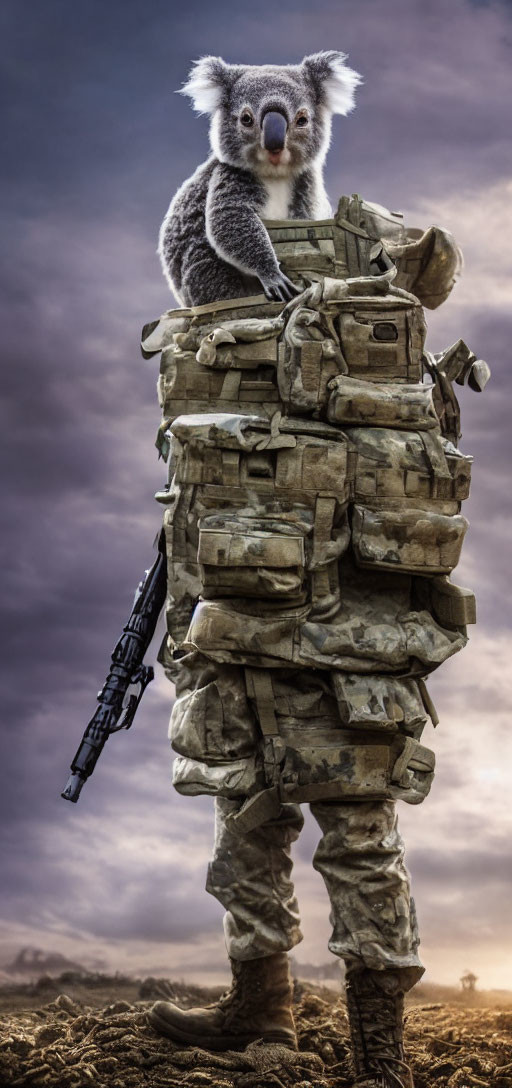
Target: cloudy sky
pixel 97 143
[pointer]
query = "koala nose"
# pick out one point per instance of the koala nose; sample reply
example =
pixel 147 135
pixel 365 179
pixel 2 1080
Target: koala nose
pixel 274 131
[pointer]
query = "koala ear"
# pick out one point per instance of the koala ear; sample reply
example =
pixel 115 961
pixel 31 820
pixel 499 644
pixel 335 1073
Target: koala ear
pixel 208 80
pixel 333 81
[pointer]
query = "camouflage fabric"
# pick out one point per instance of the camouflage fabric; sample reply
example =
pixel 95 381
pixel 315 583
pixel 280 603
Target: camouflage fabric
pixel 327 734
pixel 366 238
pixel 360 857
pixel 312 521
pixel 299 537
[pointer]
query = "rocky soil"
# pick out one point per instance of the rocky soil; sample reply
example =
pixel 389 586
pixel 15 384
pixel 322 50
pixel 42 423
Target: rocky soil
pixel 80 1039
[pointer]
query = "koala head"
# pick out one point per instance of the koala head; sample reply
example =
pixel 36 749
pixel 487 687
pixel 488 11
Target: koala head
pixel 272 119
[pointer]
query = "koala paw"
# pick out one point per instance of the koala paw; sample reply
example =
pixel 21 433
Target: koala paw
pixel 279 288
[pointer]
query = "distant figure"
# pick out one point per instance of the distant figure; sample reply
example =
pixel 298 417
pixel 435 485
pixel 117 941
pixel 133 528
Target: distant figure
pixel 468 981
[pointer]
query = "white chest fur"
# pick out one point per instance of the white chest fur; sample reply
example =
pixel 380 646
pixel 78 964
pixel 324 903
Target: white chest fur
pixel 278 198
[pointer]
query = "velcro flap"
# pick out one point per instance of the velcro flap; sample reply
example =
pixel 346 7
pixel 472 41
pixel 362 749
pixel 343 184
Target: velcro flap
pixel 249 548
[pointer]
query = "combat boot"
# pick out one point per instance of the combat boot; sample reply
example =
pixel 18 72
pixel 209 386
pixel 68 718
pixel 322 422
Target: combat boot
pixel 375 1006
pixel 257 1006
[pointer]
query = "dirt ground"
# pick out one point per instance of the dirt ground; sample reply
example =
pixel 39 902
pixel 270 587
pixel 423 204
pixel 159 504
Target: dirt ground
pixel 95 1034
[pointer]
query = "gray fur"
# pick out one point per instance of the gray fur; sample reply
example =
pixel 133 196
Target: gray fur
pixel 212 242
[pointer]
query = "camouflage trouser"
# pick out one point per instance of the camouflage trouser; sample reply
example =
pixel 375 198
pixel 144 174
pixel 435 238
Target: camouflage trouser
pixel 360 857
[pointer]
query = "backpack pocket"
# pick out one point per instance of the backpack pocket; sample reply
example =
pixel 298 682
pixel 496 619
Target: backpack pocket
pixel 361 403
pixel 379 703
pixel 214 731
pixel 237 778
pixel 241 557
pixel 415 541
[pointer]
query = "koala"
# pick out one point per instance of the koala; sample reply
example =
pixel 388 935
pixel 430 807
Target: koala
pixel 270 131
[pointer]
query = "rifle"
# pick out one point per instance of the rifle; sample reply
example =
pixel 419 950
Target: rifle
pixel 115 710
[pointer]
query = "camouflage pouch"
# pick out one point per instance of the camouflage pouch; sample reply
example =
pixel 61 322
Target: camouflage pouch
pixel 381 338
pixel 309 357
pixel 214 731
pixel 382 635
pixel 334 700
pixel 408 488
pixel 338 247
pixel 216 358
pixel 248 557
pixel 305 248
pixel 428 262
pixel 451 605
pixel 356 402
pixel 270 503
pixel 408 469
pixel 340 767
pixel 211 718
pixel 372 703
pixel 283 458
pixel 229 778
pixel 183 581
pixel 413 772
pixel 420 541
pixel 244 385
pixel 243 632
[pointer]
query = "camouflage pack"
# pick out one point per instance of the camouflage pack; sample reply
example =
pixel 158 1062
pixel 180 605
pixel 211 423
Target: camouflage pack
pixel 313 519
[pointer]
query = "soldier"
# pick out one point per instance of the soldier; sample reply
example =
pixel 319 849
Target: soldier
pixel 313 519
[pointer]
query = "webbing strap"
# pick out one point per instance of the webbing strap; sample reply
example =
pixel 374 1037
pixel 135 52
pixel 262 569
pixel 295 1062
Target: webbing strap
pixel 230 467
pixel 259 686
pixel 320 584
pixel 257 810
pixel 447 406
pixel 324 513
pixel 231 385
pixel 427 702
pixel 352 254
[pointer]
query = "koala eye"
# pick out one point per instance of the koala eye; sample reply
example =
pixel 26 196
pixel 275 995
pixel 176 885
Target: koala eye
pixel 247 119
pixel 301 120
